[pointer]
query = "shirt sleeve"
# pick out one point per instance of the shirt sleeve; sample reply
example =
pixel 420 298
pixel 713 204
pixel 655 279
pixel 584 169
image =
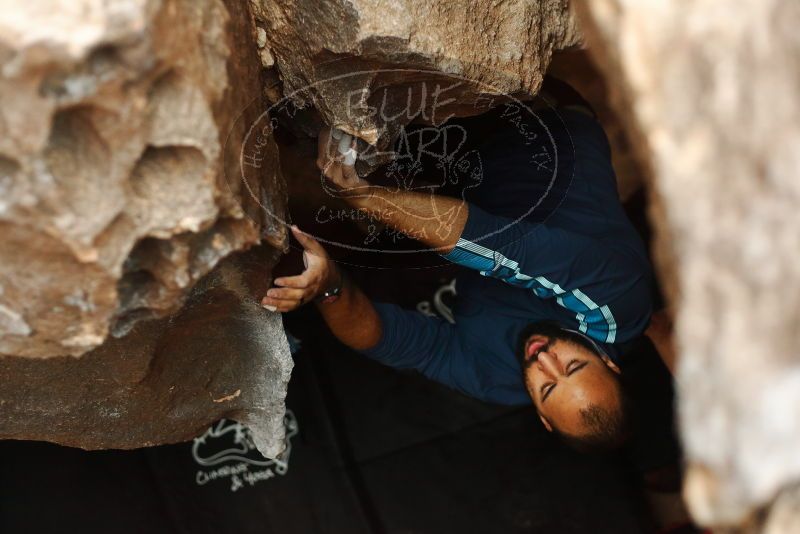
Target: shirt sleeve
pixel 430 345
pixel 605 289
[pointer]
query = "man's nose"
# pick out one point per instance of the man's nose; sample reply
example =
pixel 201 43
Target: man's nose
pixel 549 364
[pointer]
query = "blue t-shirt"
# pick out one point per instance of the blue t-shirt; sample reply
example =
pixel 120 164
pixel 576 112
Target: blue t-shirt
pixel 546 239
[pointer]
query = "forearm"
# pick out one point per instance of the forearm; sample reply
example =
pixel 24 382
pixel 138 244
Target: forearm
pixel 437 221
pixel 352 318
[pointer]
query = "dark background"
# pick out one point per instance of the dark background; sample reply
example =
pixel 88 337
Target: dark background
pixel 377 451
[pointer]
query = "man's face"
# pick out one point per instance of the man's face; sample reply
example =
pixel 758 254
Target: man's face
pixel 563 377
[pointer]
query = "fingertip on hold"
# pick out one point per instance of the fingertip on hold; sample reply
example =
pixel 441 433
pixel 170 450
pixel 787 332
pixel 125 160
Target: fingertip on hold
pixel 344 143
pixel 269 308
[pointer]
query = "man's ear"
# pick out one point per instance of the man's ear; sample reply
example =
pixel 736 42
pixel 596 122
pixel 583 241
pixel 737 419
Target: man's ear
pixel 546 423
pixel 613 366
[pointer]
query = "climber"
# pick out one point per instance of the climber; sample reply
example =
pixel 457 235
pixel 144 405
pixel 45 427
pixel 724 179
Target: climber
pixel 561 297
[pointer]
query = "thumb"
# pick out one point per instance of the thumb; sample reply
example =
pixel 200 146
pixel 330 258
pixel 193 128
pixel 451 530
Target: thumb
pixel 309 244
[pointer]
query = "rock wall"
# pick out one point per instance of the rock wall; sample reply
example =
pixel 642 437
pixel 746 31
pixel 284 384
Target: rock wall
pixel 370 67
pixel 709 91
pixel 220 356
pixel 112 124
pixel 121 127
pixel 127 311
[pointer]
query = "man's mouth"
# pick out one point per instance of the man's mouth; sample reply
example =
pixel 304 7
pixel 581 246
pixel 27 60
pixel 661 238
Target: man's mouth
pixel 533 348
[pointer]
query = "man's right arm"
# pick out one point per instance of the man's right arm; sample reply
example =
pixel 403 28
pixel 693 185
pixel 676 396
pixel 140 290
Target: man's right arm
pixel 384 332
pixel 352 317
pixel 402 339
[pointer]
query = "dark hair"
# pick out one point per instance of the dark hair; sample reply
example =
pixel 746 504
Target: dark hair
pixel 607 430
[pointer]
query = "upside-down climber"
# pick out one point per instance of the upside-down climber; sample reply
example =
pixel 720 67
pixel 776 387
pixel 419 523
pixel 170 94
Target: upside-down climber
pixel 546 305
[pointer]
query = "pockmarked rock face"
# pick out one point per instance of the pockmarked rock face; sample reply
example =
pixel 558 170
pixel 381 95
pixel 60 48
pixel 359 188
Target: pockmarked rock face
pixel 127 317
pixel 221 356
pixel 370 67
pixel 710 90
pixel 113 196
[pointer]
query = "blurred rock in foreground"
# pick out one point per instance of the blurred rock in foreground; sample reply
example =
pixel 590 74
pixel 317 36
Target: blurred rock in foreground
pixel 709 90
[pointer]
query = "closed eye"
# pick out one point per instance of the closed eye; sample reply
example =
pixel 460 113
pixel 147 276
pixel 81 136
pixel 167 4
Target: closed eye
pixel 546 390
pixel 574 366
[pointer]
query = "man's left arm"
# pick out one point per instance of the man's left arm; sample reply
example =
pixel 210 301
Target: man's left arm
pixel 435 220
pixel 607 290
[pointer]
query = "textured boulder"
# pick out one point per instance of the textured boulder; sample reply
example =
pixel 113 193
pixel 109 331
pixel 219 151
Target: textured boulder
pixel 709 90
pixel 114 200
pixel 221 356
pixel 370 67
pixel 121 127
